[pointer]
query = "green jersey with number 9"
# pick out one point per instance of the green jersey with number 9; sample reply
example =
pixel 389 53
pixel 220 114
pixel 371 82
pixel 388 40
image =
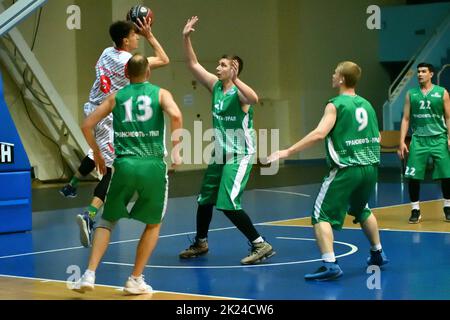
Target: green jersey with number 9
pixel 138 122
pixel 355 137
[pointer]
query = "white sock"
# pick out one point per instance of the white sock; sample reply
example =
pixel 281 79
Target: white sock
pixel 415 205
pixel 446 203
pixel 90 273
pixel 376 247
pixel 202 240
pixel 329 257
pixel 135 278
pixel 259 240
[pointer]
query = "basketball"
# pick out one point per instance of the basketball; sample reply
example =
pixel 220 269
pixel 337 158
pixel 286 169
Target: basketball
pixel 140 12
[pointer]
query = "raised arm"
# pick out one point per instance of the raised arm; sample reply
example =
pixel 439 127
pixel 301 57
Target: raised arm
pixel 447 115
pixel 204 77
pixel 176 123
pixel 324 127
pixel 247 95
pixel 88 126
pixel 403 148
pixel 160 59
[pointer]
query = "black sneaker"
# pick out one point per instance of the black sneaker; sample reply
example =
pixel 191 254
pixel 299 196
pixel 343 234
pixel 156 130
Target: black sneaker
pixel 447 213
pixel 377 258
pixel 68 191
pixel 415 216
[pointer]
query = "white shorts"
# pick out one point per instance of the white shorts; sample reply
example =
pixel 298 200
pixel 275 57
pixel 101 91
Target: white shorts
pixel 104 135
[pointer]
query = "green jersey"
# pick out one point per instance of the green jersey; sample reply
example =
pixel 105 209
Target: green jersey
pixel 233 127
pixel 427 111
pixel 355 138
pixel 138 122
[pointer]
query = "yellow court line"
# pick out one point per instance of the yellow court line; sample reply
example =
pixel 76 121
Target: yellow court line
pixel 391 218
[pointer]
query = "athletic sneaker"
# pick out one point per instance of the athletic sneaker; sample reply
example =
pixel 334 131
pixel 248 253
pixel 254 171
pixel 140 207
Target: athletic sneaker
pixel 86 225
pixel 377 258
pixel 447 213
pixel 329 271
pixel 415 216
pixel 68 191
pixel 86 283
pixel 198 248
pixel 137 286
pixel 259 252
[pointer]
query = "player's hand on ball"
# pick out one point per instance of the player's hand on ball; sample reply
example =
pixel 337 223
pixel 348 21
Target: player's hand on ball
pixel 144 27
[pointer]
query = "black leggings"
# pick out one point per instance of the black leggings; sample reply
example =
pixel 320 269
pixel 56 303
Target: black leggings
pixel 414 189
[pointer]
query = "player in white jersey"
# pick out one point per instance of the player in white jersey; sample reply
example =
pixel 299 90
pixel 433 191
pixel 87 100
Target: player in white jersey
pixel 110 77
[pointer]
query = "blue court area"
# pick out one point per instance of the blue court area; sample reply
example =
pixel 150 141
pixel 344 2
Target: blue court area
pixel 419 266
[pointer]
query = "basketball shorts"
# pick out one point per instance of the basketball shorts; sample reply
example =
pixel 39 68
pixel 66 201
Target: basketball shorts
pixel 147 177
pixel 345 191
pixel 224 184
pixel 104 136
pixel 421 149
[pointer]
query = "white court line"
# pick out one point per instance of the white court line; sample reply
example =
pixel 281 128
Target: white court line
pixel 115 242
pixel 285 192
pixel 264 265
pixel 43 280
pixel 269 223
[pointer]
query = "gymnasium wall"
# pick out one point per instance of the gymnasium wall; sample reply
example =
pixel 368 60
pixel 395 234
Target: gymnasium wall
pixel 290 49
pixel 314 37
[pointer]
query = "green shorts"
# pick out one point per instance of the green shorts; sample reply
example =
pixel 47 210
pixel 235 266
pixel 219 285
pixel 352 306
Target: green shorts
pixel 345 191
pixel 224 184
pixel 145 176
pixel 421 148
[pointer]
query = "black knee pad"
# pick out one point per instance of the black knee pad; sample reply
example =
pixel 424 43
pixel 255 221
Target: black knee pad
pixel 86 166
pixel 102 186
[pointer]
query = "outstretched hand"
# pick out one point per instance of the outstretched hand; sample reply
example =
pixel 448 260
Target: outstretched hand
pixel 189 27
pixel 277 155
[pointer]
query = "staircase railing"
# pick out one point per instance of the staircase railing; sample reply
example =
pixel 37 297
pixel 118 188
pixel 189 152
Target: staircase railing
pixel 39 91
pixel 445 66
pixel 17 12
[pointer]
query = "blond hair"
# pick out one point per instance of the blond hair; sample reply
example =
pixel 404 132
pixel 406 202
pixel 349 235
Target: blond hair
pixel 351 73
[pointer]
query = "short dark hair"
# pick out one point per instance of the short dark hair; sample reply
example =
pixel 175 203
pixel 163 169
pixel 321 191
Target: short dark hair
pixel 120 30
pixel 426 65
pixel 237 58
pixel 137 65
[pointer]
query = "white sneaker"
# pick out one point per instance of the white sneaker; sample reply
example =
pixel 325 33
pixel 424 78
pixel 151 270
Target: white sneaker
pixel 86 283
pixel 137 286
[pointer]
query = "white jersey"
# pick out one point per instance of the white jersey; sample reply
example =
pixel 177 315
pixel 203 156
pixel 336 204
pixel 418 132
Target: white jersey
pixel 110 77
pixel 110 74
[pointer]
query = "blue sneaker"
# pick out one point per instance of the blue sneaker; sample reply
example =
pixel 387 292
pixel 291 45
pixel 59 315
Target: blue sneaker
pixel 329 271
pixel 68 191
pixel 86 225
pixel 377 258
